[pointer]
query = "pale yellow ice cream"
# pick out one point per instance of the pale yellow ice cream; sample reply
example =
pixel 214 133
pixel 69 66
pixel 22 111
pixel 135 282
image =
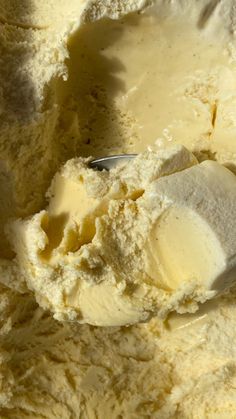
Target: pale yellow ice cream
pixel 114 248
pixel 85 79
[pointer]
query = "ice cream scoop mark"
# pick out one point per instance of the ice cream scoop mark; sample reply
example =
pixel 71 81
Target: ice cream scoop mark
pixel 136 195
pixel 21 25
pixel 207 12
pixel 214 115
pixel 54 231
pixel 70 379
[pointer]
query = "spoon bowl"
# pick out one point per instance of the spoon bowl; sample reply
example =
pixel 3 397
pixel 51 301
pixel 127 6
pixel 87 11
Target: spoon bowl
pixel 107 163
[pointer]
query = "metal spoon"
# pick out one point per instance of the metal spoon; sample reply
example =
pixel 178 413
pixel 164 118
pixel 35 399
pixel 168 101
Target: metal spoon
pixel 108 163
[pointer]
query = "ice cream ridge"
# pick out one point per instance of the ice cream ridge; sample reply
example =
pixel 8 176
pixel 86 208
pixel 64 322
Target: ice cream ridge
pixel 151 236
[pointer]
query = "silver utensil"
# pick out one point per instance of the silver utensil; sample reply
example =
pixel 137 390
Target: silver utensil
pixel 108 163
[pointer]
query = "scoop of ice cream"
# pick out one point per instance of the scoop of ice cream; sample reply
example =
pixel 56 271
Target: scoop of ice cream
pixel 194 237
pixel 149 237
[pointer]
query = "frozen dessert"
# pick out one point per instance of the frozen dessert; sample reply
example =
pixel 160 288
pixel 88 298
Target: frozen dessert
pixel 84 79
pixel 114 248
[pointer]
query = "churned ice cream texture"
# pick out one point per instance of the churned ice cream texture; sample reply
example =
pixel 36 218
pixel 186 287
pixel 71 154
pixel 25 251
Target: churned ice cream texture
pixel 116 247
pixel 93 78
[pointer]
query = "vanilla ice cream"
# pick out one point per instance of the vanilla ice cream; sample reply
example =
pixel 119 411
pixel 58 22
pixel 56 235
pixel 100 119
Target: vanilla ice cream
pixel 149 245
pixel 116 247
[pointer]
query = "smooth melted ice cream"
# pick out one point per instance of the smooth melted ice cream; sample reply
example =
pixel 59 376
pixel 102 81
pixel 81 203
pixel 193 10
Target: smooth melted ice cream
pixel 92 78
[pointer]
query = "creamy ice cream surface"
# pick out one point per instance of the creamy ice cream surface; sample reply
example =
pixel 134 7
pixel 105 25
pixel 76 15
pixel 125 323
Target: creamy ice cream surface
pixel 145 251
pixel 114 248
